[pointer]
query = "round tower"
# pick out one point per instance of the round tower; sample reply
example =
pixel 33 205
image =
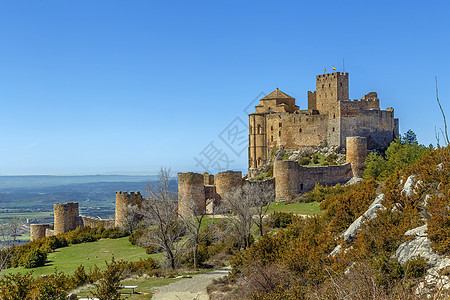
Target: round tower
pixel 191 191
pixel 286 174
pixel 227 182
pixel 65 216
pixel 208 178
pixel 37 231
pixel 356 154
pixel 123 199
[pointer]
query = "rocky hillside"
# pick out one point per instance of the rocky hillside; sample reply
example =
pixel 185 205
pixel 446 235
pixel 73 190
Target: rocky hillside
pixel 385 239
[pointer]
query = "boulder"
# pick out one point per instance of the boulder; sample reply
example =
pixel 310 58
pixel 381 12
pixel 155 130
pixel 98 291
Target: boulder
pixel 337 250
pixel 420 246
pixel 353 181
pixel 410 185
pixel 371 213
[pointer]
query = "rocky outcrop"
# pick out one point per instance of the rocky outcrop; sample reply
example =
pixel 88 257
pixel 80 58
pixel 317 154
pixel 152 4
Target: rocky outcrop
pixel 411 184
pixel 420 246
pixel 337 250
pixel 371 213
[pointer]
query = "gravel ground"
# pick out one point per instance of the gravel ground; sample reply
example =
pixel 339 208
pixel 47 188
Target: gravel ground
pixel 189 288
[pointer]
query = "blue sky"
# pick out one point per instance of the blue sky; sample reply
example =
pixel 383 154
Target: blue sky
pixel 90 87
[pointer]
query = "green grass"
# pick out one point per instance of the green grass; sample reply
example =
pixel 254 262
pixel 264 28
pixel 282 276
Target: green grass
pixel 296 208
pixel 88 254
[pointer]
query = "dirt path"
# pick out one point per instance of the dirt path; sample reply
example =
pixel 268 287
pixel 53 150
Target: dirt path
pixel 189 288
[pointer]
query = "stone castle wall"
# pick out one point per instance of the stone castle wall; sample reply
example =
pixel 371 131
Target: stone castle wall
pixel 37 231
pixel 356 154
pixel 192 189
pixel 330 118
pixel 123 199
pixel 227 182
pixel 292 180
pixel 94 222
pixel 191 193
pixel 378 126
pixel 65 217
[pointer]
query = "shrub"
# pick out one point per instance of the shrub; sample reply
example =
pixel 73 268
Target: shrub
pixel 280 219
pixel 35 258
pixel 270 173
pixel 332 158
pixel 304 161
pixel 80 277
pixel 15 287
pixel 55 242
pixel 415 268
pixel 107 287
pixel 399 155
pixel 55 287
pixel 113 233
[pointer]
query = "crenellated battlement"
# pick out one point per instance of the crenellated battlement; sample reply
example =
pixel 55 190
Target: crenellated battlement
pixel 330 75
pixel 123 199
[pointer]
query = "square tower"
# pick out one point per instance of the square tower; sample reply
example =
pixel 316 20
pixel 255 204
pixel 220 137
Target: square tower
pixel 330 88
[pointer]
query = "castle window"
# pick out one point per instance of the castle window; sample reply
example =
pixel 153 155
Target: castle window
pixel 329 85
pixel 301 186
pixel 279 133
pixel 333 129
pixel 331 94
pixel 334 116
pixel 251 129
pixel 271 138
pixel 279 125
pixel 259 129
pixel 300 130
pixel 341 83
pixel 271 128
pixel 323 85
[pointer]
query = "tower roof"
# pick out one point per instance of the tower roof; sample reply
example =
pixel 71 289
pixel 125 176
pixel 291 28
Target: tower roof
pixel 277 94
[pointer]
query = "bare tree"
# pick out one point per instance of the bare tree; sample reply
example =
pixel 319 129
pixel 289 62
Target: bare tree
pixel 249 205
pixel 8 234
pixel 132 217
pixel 161 218
pixel 445 134
pixel 239 203
pixel 262 194
pixel 193 222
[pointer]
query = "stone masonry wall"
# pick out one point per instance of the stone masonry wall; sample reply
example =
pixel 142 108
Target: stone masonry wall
pixel 123 199
pixel 94 222
pixel 376 125
pixel 227 182
pixel 191 193
pixel 292 180
pixel 37 231
pixel 65 217
pixel 356 154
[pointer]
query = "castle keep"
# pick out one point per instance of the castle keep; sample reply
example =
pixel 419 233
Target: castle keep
pixel 331 117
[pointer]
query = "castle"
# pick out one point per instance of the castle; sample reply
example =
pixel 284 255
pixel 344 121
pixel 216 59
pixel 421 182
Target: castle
pixel 67 218
pixel 330 118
